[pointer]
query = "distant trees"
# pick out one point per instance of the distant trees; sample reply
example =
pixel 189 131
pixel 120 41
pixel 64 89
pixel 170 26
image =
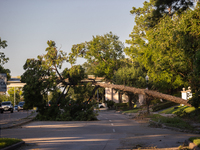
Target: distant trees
pixel 15 92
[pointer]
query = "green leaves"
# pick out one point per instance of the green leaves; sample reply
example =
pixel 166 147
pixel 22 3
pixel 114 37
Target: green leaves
pixel 3 58
pixel 103 51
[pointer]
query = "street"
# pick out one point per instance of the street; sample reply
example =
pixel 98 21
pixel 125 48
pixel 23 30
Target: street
pixel 112 131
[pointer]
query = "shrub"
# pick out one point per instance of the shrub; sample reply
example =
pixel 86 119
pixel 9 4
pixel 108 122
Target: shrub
pixel 163 106
pixel 110 103
pixel 119 106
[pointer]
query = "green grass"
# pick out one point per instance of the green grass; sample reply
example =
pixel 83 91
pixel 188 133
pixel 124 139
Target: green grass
pixel 4 142
pixel 176 109
pixel 135 110
pixel 173 122
pixel 195 140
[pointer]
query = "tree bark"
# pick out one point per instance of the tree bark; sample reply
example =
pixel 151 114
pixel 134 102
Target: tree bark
pixel 151 93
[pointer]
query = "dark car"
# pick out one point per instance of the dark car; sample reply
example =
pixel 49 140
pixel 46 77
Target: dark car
pixel 7 106
pixel 16 107
pixel 20 106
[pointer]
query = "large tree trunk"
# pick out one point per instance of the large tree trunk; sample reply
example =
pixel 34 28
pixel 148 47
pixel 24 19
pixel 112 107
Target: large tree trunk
pixel 144 92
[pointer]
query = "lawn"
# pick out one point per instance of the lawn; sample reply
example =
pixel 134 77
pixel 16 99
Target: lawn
pixel 173 122
pixel 134 110
pixel 5 142
pixel 175 109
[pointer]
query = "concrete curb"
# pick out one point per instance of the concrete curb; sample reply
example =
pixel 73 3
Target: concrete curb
pixel 14 146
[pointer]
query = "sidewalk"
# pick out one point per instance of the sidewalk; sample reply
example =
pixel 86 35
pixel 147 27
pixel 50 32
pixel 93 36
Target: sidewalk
pixel 18 122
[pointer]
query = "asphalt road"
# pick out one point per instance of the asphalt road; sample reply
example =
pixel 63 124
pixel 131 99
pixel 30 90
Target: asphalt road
pixel 112 131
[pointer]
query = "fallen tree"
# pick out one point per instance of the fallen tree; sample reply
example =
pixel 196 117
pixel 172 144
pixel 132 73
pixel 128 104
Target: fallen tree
pixel 151 93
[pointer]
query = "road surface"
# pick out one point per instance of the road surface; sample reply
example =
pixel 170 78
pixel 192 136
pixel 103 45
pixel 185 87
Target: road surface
pixel 112 131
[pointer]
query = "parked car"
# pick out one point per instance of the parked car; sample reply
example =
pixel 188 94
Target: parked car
pixel 100 105
pixel 7 106
pixel 16 107
pixel 20 106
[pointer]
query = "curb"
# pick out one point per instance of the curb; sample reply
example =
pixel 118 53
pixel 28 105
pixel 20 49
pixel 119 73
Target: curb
pixel 14 146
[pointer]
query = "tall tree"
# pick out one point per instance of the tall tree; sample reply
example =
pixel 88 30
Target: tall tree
pixel 171 7
pixel 103 51
pixel 130 76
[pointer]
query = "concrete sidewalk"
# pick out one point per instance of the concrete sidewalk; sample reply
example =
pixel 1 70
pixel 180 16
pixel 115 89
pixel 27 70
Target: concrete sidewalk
pixel 18 122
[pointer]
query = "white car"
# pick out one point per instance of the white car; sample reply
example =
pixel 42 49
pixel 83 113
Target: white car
pixel 101 105
pixel 7 106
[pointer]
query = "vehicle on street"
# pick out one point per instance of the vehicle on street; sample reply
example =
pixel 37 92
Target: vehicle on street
pixel 7 106
pixel 20 106
pixel 100 105
pixel 16 107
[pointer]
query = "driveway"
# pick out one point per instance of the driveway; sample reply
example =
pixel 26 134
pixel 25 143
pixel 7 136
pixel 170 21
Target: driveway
pixel 112 131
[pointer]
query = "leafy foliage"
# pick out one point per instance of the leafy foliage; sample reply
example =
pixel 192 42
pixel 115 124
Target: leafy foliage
pixel 3 58
pixel 35 86
pixel 18 93
pixel 42 76
pixel 104 52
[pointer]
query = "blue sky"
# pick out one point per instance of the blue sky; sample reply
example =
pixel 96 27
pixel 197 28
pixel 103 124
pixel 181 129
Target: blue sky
pixel 27 25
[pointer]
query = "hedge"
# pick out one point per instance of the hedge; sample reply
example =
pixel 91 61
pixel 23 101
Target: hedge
pixel 163 106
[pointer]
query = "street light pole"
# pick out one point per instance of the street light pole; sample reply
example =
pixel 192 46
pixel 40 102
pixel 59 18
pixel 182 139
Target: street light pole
pixel 147 79
pixel 147 98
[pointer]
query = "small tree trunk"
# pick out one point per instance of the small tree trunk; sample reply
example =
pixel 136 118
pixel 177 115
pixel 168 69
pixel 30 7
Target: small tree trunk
pixel 130 100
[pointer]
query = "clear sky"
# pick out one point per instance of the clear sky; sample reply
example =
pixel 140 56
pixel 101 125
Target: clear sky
pixel 27 25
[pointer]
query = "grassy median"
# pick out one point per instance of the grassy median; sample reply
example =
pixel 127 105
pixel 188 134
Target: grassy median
pixel 5 142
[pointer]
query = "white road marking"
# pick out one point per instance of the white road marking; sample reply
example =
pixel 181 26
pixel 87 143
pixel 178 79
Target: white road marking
pixel 113 130
pixel 112 124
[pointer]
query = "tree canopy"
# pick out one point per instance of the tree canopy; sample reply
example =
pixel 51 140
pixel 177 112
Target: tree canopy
pixel 105 52
pixel 167 48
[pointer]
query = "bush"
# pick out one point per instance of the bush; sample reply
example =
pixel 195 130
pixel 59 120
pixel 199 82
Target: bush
pixel 163 106
pixel 110 103
pixel 119 106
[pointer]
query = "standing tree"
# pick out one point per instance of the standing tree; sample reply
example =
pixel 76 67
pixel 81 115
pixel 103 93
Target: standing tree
pixel 133 77
pixel 105 52
pixel 167 48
